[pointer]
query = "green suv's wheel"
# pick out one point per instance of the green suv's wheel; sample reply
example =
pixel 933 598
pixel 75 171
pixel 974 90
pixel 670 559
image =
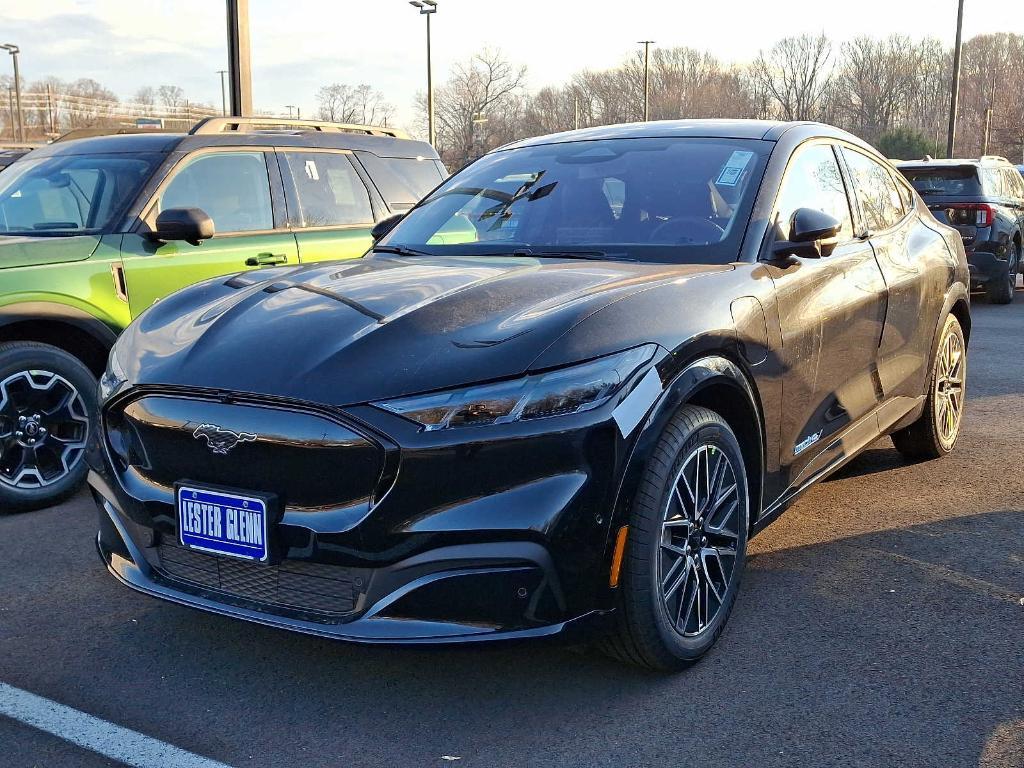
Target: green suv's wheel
pixel 1001 291
pixel 686 544
pixel 47 404
pixel 934 434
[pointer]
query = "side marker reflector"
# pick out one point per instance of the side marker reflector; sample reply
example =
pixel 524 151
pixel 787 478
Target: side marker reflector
pixel 620 548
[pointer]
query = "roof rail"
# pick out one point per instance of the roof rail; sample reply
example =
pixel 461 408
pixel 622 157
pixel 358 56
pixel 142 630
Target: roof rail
pixel 251 124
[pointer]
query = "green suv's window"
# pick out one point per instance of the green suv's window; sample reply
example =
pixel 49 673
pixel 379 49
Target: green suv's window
pixel 232 188
pixel 71 194
pixel 329 191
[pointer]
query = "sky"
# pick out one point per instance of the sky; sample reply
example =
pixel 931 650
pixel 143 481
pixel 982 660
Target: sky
pixel 299 45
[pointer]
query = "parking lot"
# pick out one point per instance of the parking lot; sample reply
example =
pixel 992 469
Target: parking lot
pixel 879 624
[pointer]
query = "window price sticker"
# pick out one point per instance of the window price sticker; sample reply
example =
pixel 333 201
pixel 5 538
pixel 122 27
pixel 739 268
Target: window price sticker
pixel 733 168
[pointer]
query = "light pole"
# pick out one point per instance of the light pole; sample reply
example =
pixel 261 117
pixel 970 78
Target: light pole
pixel 428 8
pixel 223 92
pixel 14 51
pixel 955 95
pixel 289 107
pixel 647 76
pixel 239 60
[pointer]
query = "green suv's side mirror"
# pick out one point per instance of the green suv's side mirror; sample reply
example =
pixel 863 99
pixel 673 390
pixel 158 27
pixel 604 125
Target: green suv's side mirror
pixel 384 226
pixel 192 225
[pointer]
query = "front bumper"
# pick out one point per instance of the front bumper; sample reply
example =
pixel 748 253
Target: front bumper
pixel 518 549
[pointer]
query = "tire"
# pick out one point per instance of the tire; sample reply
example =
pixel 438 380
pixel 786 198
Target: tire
pixel 42 460
pixel 651 629
pixel 1001 291
pixel 935 433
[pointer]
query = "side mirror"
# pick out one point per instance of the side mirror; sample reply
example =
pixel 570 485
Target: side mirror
pixel 807 229
pixel 192 225
pixel 384 226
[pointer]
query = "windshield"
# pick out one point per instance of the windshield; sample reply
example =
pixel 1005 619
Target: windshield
pixel 956 180
pixel 71 194
pixel 660 199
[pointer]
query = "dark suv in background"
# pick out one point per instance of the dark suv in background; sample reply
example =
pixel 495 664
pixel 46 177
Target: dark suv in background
pixel 984 200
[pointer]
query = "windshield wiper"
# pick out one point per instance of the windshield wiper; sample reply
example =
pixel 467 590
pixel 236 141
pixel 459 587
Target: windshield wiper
pixel 590 255
pixel 399 250
pixel 930 191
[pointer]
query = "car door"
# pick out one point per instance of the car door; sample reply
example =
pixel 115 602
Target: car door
pixel 831 313
pixel 328 204
pixel 915 266
pixel 235 188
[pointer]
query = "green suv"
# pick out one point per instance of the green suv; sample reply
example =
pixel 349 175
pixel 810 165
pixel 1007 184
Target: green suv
pixel 93 231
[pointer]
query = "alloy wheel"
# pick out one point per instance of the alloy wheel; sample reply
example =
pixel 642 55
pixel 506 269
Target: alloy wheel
pixel 949 388
pixel 699 538
pixel 44 426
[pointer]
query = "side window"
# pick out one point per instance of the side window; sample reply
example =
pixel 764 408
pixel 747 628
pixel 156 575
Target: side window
pixel 233 188
pixel 992 180
pixel 906 194
pixel 877 193
pixel 329 192
pixel 1012 183
pixel 813 180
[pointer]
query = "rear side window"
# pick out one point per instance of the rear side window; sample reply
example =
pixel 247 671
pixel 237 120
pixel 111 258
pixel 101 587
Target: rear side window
pixel 232 188
pixel 1012 183
pixel 813 180
pixel 879 199
pixel 328 191
pixel 956 180
pixel 402 181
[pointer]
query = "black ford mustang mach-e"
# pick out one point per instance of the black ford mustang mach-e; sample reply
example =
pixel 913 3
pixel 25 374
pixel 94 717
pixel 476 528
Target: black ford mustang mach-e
pixel 562 392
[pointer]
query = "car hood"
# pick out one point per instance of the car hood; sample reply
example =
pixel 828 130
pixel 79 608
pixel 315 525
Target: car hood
pixel 378 327
pixel 28 251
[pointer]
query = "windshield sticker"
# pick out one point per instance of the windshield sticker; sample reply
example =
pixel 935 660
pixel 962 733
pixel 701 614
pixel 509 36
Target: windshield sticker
pixel 734 167
pixel 311 172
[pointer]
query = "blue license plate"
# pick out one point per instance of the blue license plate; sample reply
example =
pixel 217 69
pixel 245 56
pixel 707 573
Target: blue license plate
pixel 223 523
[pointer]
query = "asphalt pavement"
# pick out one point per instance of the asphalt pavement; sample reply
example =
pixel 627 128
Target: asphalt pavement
pixel 880 623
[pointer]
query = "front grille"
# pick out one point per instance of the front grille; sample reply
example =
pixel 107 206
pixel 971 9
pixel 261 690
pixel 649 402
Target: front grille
pixel 294 584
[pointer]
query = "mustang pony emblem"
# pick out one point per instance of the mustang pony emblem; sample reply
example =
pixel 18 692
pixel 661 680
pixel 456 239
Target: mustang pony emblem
pixel 222 440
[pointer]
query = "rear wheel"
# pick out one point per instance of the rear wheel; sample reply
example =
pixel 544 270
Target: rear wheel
pixel 1001 291
pixel 47 407
pixel 686 545
pixel 935 433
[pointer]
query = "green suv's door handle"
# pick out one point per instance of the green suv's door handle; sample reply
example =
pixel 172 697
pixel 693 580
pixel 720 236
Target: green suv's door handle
pixel 267 259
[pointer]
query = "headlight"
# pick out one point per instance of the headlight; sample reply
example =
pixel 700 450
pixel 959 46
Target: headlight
pixel 113 379
pixel 556 393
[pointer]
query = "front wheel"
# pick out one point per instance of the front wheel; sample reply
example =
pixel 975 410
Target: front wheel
pixel 47 407
pixel 935 433
pixel 686 545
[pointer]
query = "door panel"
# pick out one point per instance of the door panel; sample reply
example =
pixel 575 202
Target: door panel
pixel 329 205
pixel 831 315
pixel 154 270
pixel 234 188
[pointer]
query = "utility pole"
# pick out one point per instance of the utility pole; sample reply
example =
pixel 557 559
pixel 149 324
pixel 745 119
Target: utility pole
pixel 647 76
pixel 14 51
pixel 223 92
pixel 955 95
pixel 49 109
pixel 988 129
pixel 428 8
pixel 289 107
pixel 239 60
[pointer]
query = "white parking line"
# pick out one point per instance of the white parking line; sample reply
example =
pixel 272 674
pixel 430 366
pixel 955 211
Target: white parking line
pixel 96 735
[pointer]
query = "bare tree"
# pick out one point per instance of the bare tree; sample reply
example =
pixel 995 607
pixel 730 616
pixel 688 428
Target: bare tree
pixel 874 81
pixel 794 74
pixel 171 95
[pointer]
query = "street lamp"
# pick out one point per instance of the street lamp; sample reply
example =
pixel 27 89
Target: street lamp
pixel 14 51
pixel 954 97
pixel 647 72
pixel 428 8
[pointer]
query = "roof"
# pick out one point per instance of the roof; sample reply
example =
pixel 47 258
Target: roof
pixel 383 146
pixel 767 130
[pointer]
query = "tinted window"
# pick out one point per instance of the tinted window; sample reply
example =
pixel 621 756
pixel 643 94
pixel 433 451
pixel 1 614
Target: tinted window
pixel 993 182
pixel 329 191
pixel 813 180
pixel 877 194
pixel 71 193
pixel 656 199
pixel 233 188
pixel 402 181
pixel 950 180
pixel 1012 183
